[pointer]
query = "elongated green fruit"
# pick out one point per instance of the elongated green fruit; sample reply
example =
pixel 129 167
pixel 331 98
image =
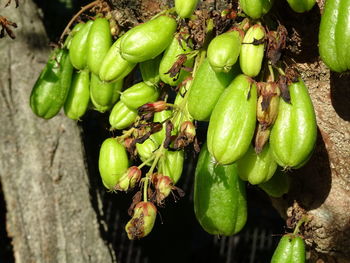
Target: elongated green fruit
pixel 252 51
pixel 51 89
pixel 171 164
pixel 150 71
pixel 74 31
pixel 301 6
pixel 146 149
pixel 290 249
pixel 257 168
pixel 293 135
pixel 219 196
pixel 171 55
pixel 112 163
pixel 79 47
pixel 99 41
pixel 121 116
pixel 114 67
pixel 334 35
pixel 223 50
pixel 79 95
pixel 103 94
pixel 139 94
pixel 148 40
pixel 161 117
pixel 232 123
pixel 185 8
pixel 255 8
pixel 278 185
pixel 206 89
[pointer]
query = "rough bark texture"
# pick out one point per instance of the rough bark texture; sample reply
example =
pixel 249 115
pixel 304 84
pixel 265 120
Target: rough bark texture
pixel 50 217
pixel 321 189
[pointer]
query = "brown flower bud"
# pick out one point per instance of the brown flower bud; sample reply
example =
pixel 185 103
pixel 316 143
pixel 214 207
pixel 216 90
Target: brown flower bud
pixel 268 101
pixel 261 137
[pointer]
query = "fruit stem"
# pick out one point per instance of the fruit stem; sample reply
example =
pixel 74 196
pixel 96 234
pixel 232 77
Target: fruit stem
pixel 304 219
pixel 164 12
pixel 158 153
pixel 126 134
pixel 145 162
pixel 82 10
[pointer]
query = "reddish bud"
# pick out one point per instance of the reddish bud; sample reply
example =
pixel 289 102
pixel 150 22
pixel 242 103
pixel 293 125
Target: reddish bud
pixel 163 185
pixel 129 179
pixel 153 107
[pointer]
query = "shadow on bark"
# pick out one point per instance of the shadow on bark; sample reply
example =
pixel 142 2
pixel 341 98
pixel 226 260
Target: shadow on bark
pixel 340 94
pixel 312 183
pixel 6 249
pixel 302 31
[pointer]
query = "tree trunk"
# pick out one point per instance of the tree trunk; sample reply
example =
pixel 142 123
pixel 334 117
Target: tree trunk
pixel 50 216
pixel 321 189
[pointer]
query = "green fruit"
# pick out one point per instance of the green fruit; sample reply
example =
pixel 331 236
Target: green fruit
pixel 114 67
pixel 206 89
pixel 79 47
pixel 232 123
pixel 103 94
pixel 219 196
pixel 185 8
pixel 278 185
pixel 79 95
pixel 121 116
pixel 252 53
pixel 301 6
pixel 72 33
pixel 171 164
pixel 171 55
pixel 334 35
pixel 113 162
pixel 99 41
pixel 257 168
pixel 290 249
pixel 139 94
pixel 148 40
pixel 146 149
pixel 255 8
pixel 161 116
pixel 294 133
pixel 150 71
pixel 223 50
pixel 51 89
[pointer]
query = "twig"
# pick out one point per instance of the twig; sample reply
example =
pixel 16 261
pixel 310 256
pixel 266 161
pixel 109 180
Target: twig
pixel 82 10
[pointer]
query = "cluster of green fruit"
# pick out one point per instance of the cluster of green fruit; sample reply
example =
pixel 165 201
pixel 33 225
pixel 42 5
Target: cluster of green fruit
pixel 254 126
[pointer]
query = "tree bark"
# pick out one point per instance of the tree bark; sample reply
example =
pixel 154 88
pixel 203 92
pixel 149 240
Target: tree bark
pixel 50 217
pixel 321 188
